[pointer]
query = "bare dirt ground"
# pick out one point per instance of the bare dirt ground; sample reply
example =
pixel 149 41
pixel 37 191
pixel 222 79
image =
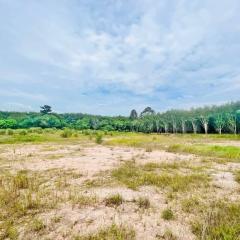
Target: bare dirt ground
pixel 95 162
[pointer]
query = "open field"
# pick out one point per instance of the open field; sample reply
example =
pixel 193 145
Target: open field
pixel 66 184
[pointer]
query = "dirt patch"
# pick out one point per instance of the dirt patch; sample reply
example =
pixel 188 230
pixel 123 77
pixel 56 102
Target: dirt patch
pixel 225 180
pixel 92 160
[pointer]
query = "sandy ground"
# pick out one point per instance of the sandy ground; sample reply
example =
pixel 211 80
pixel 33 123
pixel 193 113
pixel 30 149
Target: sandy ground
pixel 91 160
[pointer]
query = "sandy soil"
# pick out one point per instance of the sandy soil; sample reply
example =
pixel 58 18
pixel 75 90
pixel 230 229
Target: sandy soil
pixel 91 160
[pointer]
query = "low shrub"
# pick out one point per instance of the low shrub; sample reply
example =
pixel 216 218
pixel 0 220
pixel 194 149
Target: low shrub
pixel 67 133
pixel 114 200
pixel 99 139
pixel 167 214
pixel 143 202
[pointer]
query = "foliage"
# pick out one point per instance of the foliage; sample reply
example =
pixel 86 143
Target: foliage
pixel 99 139
pixel 167 214
pixel 45 109
pixel 147 111
pixel 211 119
pixel 133 114
pixel 66 133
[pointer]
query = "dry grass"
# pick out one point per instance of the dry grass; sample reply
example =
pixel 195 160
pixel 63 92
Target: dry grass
pixel 167 214
pixel 220 220
pixel 25 194
pixel 111 233
pixel 143 202
pixel 134 176
pixel 21 198
pixel 114 200
pixel 64 202
pixel 237 176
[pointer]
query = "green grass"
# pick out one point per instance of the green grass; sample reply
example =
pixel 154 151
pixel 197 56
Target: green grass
pixel 159 141
pixel 41 135
pixel 113 232
pixel 134 176
pixel 220 221
pixel 229 153
pixel 148 141
pixel 182 143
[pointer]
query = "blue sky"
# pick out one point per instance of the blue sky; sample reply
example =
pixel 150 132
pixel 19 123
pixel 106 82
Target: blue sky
pixel 109 56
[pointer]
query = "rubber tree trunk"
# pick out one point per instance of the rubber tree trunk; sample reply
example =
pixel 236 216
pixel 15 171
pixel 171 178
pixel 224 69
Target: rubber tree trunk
pixel 194 126
pixel 205 125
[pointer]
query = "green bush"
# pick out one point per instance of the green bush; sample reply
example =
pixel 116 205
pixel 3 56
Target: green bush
pixel 2 132
pixel 23 133
pixel 67 133
pixel 99 139
pixel 167 214
pixel 10 132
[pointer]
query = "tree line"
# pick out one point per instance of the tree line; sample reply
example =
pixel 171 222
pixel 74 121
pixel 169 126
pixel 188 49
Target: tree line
pixel 209 119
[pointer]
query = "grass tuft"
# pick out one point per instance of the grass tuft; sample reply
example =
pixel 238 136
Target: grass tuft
pixel 114 200
pixel 37 225
pixel 219 221
pixel 134 176
pixel 190 204
pixel 143 202
pixel 111 233
pixel 167 214
pixel 168 235
pixel 99 139
pixel 66 133
pixel 237 176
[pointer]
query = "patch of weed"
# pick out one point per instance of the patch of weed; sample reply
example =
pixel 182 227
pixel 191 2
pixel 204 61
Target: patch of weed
pixel 114 200
pixel 110 233
pixel 134 176
pixel 219 221
pixel 167 214
pixel 143 202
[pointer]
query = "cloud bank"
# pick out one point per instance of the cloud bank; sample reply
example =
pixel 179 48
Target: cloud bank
pixel 109 56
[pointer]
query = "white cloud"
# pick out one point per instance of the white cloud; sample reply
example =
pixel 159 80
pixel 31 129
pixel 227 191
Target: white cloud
pixel 23 95
pixel 165 49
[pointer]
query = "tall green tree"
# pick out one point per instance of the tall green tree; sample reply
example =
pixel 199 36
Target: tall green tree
pixel 45 109
pixel 133 114
pixel 219 122
pixel 147 111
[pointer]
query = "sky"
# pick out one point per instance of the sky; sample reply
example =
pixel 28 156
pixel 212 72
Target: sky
pixel 110 56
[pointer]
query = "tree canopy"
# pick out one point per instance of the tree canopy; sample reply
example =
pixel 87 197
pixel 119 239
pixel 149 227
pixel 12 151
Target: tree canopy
pixel 210 119
pixel 46 109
